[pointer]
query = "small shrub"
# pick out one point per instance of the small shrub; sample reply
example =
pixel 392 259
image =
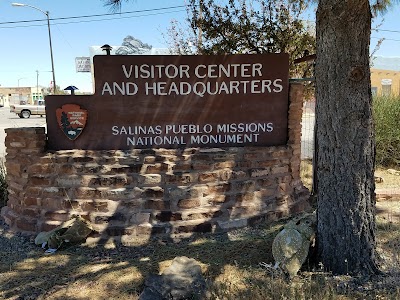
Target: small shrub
pixel 387 130
pixel 306 173
pixel 3 184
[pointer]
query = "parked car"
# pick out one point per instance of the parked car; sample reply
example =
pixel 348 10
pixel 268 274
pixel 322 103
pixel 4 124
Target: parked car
pixel 26 110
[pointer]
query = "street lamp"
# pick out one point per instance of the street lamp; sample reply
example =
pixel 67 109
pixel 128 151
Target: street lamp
pixel 20 79
pixel 51 48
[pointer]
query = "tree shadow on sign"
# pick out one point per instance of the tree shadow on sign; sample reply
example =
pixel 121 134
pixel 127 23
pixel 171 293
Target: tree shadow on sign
pixel 220 180
pixel 203 196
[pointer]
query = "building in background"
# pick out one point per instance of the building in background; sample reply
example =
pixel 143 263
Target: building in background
pixel 385 76
pixel 20 95
pixel 385 82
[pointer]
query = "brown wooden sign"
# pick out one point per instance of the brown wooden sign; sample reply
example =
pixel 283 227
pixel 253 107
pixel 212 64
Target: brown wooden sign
pixel 175 102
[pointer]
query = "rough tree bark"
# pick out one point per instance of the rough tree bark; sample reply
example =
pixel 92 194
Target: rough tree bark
pixel 345 133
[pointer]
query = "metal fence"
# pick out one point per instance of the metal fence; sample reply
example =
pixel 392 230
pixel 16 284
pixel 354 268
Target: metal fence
pixel 307 145
pixel 307 132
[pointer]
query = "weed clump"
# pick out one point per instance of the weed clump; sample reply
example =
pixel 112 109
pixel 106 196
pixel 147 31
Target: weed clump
pixel 3 184
pixel 387 130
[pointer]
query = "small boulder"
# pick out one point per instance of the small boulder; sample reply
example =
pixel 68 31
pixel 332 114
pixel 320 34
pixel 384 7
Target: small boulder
pixel 393 172
pixel 291 245
pixel 182 280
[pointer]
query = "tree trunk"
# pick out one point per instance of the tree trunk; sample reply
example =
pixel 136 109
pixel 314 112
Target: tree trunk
pixel 345 134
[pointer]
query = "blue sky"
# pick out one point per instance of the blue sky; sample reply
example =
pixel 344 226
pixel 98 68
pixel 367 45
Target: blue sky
pixel 25 47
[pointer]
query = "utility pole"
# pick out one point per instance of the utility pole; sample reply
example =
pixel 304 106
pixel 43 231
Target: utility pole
pixel 37 84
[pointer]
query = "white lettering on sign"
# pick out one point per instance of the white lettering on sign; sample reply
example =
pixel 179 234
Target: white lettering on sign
pixel 194 134
pixel 161 80
pixel 230 70
pixel 224 138
pixel 201 89
pixel 123 88
pixel 190 128
pixel 241 127
pixel 155 141
pixel 152 71
pixel 136 130
pixel 146 71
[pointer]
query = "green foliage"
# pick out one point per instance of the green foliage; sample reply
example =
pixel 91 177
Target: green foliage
pixel 382 6
pixel 387 130
pixel 49 91
pixel 245 26
pixel 3 184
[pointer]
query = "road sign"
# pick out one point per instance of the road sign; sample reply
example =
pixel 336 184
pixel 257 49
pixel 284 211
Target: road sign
pixel 82 64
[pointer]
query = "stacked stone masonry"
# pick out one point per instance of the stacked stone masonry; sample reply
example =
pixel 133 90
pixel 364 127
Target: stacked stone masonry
pixel 153 191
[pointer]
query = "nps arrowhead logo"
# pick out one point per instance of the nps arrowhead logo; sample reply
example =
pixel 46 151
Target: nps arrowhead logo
pixel 71 119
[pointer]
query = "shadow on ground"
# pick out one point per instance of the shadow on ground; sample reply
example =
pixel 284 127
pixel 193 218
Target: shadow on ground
pixel 109 272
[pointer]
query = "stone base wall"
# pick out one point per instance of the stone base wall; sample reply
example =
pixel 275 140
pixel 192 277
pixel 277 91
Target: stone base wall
pixel 153 191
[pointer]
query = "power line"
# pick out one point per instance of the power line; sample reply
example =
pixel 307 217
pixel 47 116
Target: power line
pixel 386 30
pixel 385 39
pixel 88 21
pixel 123 13
pixel 92 16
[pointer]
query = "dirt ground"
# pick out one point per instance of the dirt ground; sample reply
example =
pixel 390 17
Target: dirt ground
pixel 387 183
pixel 390 178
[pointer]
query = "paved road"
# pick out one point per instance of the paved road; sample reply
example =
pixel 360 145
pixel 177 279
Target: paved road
pixel 11 120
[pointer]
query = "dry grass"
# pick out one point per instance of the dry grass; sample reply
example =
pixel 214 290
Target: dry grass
pixel 390 180
pixel 306 173
pixel 118 272
pixel 3 184
pixel 230 263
